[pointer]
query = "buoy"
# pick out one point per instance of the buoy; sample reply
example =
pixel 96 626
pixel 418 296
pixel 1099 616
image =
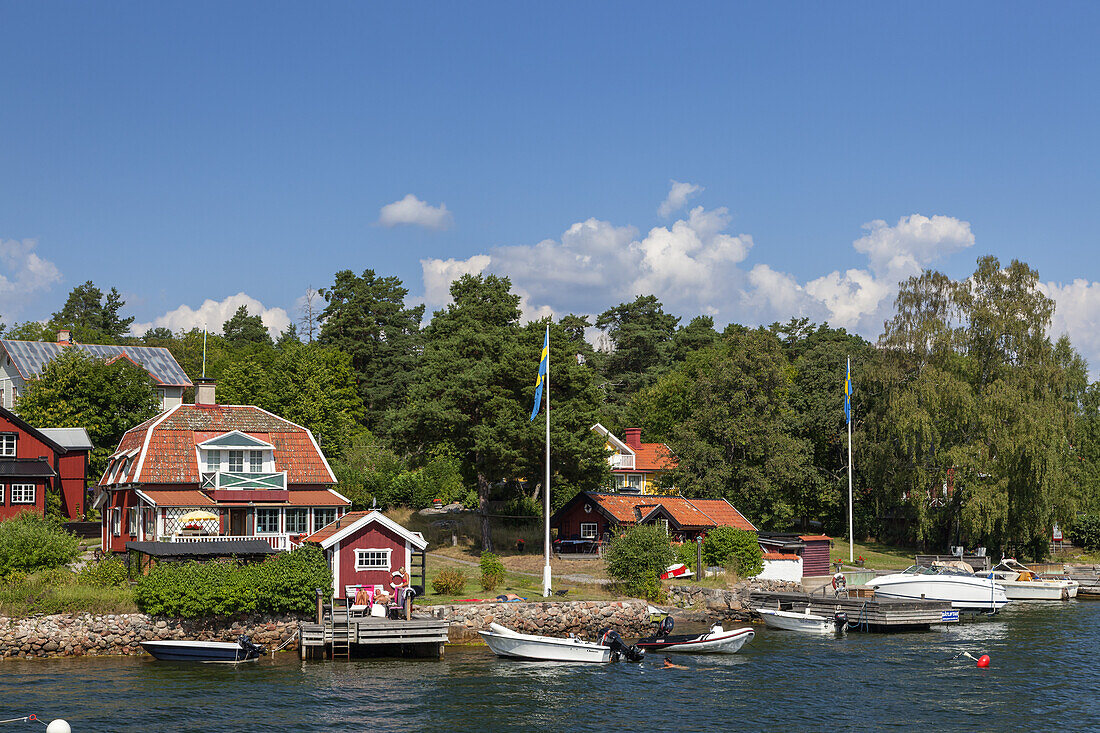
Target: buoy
pixel 983 662
pixel 58 726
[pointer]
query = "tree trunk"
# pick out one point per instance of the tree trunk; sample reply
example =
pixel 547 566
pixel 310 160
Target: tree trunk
pixel 483 510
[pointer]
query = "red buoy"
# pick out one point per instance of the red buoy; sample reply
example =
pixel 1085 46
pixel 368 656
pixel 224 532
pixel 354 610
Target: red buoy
pixel 983 661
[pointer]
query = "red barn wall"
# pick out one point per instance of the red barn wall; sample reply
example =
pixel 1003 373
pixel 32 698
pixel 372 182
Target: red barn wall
pixel 815 558
pixel 569 526
pixel 73 470
pixel 26 446
pixel 372 537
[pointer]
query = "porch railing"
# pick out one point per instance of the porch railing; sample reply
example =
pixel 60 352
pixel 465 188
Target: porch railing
pixel 621 460
pixel 277 541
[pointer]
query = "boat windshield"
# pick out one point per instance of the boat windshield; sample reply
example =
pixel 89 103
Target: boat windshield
pixel 935 570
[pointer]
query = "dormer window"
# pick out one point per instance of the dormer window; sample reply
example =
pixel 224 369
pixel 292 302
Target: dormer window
pixel 7 444
pixel 236 453
pixel 255 461
pixel 213 461
pixel 236 461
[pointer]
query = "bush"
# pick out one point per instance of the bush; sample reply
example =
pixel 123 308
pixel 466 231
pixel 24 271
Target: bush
pixel 1086 532
pixel 30 542
pixel 727 546
pixel 492 571
pixel 686 553
pixel 107 573
pixel 449 582
pixel 637 559
pixel 470 500
pixel 284 584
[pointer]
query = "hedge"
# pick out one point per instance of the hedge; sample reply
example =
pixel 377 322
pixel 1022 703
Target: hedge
pixel 30 542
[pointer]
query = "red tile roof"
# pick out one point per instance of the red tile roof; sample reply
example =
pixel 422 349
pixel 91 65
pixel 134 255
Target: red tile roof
pixel 723 513
pixel 330 529
pixel 188 497
pixel 653 457
pixel 780 556
pixel 316 497
pixel 688 513
pixel 805 537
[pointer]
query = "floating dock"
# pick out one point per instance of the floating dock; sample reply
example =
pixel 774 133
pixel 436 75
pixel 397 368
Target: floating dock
pixel 864 614
pixel 340 637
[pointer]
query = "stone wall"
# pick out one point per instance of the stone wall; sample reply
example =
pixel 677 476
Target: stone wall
pixel 723 603
pixel 550 618
pixel 91 634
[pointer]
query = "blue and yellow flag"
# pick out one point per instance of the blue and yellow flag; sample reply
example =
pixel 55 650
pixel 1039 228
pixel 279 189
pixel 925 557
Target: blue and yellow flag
pixel 848 394
pixel 544 367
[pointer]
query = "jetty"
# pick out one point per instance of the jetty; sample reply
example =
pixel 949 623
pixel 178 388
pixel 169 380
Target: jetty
pixel 344 635
pixel 864 614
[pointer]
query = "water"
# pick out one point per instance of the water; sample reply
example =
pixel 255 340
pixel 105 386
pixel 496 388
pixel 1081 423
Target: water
pixel 1044 674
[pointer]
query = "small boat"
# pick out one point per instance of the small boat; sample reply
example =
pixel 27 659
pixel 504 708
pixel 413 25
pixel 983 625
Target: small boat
pixel 1021 583
pixel 805 621
pixel 242 650
pixel 507 643
pixel 715 641
pixel 964 590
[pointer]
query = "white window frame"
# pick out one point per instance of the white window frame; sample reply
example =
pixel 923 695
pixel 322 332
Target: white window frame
pixel 589 530
pixel 1 494
pixel 255 461
pixel 215 465
pixel 298 511
pixel 277 522
pixel 239 456
pixel 22 493
pixel 116 521
pixel 317 522
pixel 368 552
pixel 133 521
pixel 663 523
pixel 8 444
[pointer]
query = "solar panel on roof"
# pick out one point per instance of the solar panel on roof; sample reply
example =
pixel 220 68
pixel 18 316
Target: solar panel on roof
pixel 31 358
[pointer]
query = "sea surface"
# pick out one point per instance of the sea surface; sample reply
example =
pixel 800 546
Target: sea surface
pixel 1045 674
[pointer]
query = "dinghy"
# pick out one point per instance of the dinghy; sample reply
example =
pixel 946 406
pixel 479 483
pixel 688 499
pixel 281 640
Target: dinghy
pixel 805 621
pixel 242 650
pixel 715 641
pixel 508 643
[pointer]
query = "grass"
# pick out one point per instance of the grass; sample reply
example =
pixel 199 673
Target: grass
pixel 57 591
pixel 525 586
pixel 876 555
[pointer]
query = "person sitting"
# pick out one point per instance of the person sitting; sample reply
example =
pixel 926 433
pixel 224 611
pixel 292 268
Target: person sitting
pixel 364 596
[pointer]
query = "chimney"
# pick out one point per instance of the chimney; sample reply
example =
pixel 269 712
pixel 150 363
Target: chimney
pixel 633 438
pixel 64 336
pixel 204 391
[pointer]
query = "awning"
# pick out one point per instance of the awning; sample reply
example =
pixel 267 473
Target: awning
pixel 26 468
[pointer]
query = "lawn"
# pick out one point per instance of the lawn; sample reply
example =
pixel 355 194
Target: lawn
pixel 58 591
pixel 523 585
pixel 876 555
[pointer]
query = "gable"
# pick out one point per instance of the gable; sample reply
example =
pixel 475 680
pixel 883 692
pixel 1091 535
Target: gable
pixel 31 357
pixel 235 439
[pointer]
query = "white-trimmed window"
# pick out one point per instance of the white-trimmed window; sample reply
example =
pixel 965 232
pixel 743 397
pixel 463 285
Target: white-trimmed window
pixel 588 530
pixel 7 444
pixel 323 516
pixel 297 521
pixel 236 461
pixel 267 521
pixel 132 521
pixel 1 494
pixel 372 559
pixel 255 461
pixel 116 521
pixel 213 461
pixel 22 493
pixel 663 524
pixel 150 521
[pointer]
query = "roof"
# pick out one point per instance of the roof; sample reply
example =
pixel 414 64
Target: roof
pixel 30 429
pixel 25 468
pixel 812 537
pixel 71 438
pixel 188 497
pixel 352 522
pixel 316 497
pixel 31 358
pixel 169 444
pixel 781 556
pixel 647 456
pixel 211 548
pixel 687 513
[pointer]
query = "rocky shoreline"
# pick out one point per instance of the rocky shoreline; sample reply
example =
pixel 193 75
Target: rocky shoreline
pixel 551 618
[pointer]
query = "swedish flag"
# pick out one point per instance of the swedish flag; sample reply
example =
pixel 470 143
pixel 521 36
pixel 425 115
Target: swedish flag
pixel 544 368
pixel 848 394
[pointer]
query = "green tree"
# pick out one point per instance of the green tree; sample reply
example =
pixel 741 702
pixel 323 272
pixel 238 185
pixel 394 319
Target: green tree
pixel 726 546
pixel 641 336
pixel 698 334
pixel 242 329
pixel 91 316
pixel 637 558
pixel 80 390
pixel 366 318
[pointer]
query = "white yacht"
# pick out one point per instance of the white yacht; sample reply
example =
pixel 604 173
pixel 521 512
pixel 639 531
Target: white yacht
pixel 1022 584
pixel 964 590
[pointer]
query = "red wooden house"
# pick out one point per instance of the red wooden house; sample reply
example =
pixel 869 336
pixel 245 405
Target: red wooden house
pixel 34 461
pixel 207 472
pixel 365 548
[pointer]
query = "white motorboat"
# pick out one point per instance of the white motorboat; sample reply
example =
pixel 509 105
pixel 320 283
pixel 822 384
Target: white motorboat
pixel 1022 584
pixel 804 621
pixel 508 643
pixel 715 641
pixel 965 591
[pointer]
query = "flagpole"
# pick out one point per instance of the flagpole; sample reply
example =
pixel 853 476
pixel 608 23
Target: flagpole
pixel 546 514
pixel 851 534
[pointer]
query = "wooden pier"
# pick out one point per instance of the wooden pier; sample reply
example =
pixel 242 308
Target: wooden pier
pixel 864 614
pixel 340 637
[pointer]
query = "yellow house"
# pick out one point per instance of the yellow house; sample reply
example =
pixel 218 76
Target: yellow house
pixel 636 467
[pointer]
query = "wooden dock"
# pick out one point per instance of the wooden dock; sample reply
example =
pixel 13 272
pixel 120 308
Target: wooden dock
pixel 365 637
pixel 864 614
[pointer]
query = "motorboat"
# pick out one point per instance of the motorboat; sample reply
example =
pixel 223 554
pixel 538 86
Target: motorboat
pixel 813 623
pixel 715 641
pixel 508 643
pixel 242 650
pixel 965 591
pixel 1021 583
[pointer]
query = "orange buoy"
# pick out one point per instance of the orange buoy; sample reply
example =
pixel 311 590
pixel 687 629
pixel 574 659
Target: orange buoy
pixel 983 661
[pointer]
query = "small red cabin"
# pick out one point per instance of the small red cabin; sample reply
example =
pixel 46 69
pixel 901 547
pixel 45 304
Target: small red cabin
pixel 35 461
pixel 365 548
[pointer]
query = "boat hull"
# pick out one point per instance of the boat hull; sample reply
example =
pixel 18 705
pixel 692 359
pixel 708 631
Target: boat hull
pixel 507 643
pixel 199 651
pixel 723 642
pixel 980 595
pixel 789 621
pixel 1038 590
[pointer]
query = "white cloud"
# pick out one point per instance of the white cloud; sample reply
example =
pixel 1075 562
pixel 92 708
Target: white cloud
pixel 23 275
pixel 1077 314
pixel 912 244
pixel 413 211
pixel 212 314
pixel 678 195
pixel 439 274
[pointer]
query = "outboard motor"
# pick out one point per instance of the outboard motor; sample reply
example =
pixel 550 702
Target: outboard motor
pixel 611 638
pixel 841 620
pixel 249 648
pixel 665 627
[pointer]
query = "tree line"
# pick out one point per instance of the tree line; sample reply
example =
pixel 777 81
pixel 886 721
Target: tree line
pixel 971 424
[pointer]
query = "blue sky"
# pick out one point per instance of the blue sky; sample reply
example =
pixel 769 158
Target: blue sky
pixel 193 152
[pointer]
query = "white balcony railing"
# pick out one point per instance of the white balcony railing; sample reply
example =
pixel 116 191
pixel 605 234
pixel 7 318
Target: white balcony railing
pixel 621 460
pixel 277 541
